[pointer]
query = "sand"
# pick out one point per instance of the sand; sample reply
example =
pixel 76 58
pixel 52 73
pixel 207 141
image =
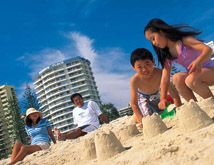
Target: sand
pixel 188 138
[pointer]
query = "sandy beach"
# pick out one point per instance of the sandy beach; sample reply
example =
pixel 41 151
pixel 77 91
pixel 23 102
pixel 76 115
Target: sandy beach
pixel 187 138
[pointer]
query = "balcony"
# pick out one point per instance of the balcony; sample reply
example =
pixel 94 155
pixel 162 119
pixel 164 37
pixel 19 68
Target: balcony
pixel 60 97
pixel 82 79
pixel 52 72
pixel 65 119
pixel 49 98
pixel 60 103
pixel 55 82
pixel 74 65
pixel 55 88
pixel 66 124
pixel 52 78
pixel 60 115
pixel 60 109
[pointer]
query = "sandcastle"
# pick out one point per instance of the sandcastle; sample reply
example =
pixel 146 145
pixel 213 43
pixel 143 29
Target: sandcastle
pixel 107 145
pixel 127 132
pixel 89 151
pixel 192 117
pixel 207 105
pixel 152 126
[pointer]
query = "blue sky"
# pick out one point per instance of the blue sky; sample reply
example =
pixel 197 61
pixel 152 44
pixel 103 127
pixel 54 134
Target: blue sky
pixel 35 34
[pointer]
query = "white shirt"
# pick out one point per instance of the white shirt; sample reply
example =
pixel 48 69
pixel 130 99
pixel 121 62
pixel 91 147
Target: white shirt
pixel 87 114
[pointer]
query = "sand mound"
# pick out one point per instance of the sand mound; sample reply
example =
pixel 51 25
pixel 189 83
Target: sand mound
pixel 152 126
pixel 192 117
pixel 207 105
pixel 107 145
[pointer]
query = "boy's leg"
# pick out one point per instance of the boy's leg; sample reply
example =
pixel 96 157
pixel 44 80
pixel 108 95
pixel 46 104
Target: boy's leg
pixel 69 135
pixel 182 88
pixel 16 148
pixel 199 82
pixel 24 151
pixel 75 134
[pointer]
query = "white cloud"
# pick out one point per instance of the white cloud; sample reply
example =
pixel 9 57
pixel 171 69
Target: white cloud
pixel 45 58
pixel 110 66
pixel 83 45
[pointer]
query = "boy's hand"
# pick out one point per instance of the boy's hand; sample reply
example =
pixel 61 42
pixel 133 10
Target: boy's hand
pixel 139 125
pixel 162 104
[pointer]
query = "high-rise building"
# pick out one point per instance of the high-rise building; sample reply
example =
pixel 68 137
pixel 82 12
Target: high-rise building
pixel 11 125
pixel 55 84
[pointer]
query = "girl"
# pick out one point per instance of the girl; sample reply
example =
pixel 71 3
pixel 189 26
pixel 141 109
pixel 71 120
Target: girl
pixel 178 44
pixel 39 131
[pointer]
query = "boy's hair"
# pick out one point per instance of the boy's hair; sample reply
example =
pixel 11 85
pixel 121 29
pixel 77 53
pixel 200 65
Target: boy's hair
pixel 140 54
pixel 75 95
pixel 172 32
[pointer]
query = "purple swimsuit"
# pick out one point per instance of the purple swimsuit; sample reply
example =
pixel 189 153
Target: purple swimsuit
pixel 187 54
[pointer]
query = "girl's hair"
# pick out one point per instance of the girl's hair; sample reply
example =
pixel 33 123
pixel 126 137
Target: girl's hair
pixel 29 122
pixel 172 32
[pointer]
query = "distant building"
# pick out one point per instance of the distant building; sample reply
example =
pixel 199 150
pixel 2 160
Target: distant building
pixel 211 44
pixel 55 84
pixel 127 111
pixel 11 125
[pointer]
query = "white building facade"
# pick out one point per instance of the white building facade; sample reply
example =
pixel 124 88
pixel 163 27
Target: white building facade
pixel 55 84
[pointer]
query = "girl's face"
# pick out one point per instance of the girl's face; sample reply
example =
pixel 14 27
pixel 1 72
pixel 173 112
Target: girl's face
pixel 158 39
pixel 34 116
pixel 144 67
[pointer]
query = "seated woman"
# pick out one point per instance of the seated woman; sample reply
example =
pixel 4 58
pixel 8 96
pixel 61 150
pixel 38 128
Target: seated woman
pixel 39 130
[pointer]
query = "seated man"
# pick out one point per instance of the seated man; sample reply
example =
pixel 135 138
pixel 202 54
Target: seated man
pixel 85 115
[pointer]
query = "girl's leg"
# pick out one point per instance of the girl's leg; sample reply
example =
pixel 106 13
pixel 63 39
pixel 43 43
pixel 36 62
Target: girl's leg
pixel 182 88
pixel 16 148
pixel 24 151
pixel 199 82
pixel 174 94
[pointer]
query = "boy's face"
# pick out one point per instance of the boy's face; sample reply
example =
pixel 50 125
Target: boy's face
pixel 144 67
pixel 78 101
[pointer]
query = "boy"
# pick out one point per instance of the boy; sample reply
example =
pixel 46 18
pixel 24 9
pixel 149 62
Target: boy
pixel 145 85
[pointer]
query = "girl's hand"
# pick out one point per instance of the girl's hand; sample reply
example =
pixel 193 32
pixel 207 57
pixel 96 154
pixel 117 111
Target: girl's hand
pixel 194 67
pixel 163 104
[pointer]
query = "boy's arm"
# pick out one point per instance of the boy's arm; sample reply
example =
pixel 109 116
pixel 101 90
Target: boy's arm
pixel 165 82
pixel 134 104
pixel 96 109
pixel 50 133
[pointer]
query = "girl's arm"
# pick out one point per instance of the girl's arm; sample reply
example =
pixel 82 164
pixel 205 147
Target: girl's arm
pixel 50 133
pixel 205 50
pixel 134 104
pixel 165 82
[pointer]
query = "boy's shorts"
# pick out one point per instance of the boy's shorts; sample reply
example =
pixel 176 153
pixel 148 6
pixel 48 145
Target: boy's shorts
pixel 148 104
pixel 87 128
